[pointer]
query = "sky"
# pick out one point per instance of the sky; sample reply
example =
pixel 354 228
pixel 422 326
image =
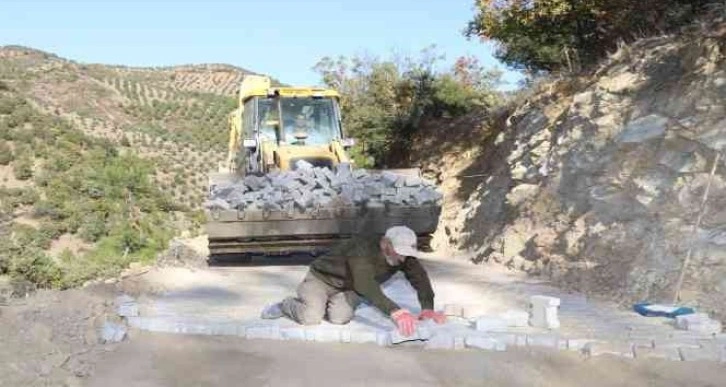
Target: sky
pixel 282 38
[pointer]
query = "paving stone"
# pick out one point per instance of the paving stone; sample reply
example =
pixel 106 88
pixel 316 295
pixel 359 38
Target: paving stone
pixel 383 338
pixel 112 333
pixel 670 343
pixel 445 341
pixel 304 165
pixel 709 327
pixel 487 343
pixel 508 338
pixel 702 354
pixel 657 353
pixel 389 178
pixel 683 321
pixel 516 318
pixel 543 312
pixel 544 340
pixel 362 337
pixel 577 344
pixel 490 324
pixel 618 348
pixel 642 343
pixel 454 310
pixel 327 335
pixel 225 329
pixel 421 333
pixel 126 306
pixel 293 333
pixel 263 332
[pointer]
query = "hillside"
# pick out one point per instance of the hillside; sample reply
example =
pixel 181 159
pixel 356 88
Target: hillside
pixel 64 124
pixel 174 116
pixel 596 182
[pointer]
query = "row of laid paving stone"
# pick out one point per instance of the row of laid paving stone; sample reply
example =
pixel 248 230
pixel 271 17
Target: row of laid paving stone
pixel 648 341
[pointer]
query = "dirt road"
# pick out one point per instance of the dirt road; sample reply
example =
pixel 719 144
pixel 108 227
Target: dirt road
pixel 152 359
pixel 51 338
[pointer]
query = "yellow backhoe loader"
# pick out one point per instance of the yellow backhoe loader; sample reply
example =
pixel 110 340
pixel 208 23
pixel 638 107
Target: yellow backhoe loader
pixel 272 130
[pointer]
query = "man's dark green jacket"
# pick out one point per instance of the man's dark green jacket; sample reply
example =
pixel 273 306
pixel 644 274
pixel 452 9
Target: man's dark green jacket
pixel 359 265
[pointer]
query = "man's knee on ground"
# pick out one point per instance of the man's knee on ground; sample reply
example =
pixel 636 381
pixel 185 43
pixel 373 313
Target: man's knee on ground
pixel 311 317
pixel 340 318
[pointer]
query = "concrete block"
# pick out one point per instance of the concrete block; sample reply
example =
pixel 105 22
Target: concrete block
pixel 263 332
pixel 327 335
pixel 374 190
pixel 675 343
pixel 126 306
pixel 577 344
pixel 362 337
pixel 303 165
pixel 709 327
pixel 657 353
pixel 328 174
pixel 507 338
pixel 383 338
pixel 361 174
pixel 441 341
pixel 412 181
pixel 293 333
pixel 454 310
pixel 219 328
pixel 698 323
pixel 112 333
pixel 490 324
pixel 617 348
pixel 543 340
pixel 486 343
pixel 389 192
pixel 543 312
pixel 421 333
pixel 389 178
pixel 683 321
pixel 516 318
pixel 217 203
pixel 642 343
pixel 702 354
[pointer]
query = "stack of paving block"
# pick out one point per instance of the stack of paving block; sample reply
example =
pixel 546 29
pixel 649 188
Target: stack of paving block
pixel 308 188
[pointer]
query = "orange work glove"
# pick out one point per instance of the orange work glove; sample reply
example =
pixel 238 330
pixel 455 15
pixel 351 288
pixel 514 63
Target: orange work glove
pixel 405 321
pixel 438 317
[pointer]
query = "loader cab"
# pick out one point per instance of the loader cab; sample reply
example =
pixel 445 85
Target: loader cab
pixel 301 121
pixel 281 128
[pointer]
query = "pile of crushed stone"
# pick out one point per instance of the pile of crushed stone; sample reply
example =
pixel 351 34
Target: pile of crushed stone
pixel 309 187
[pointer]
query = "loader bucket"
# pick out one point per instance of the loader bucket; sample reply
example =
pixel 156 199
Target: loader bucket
pixel 273 233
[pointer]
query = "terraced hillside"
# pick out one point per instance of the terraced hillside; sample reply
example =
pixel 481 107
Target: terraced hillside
pixel 174 116
pixel 101 165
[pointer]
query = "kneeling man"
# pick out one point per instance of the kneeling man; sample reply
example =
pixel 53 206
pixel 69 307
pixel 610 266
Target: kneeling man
pixel 337 282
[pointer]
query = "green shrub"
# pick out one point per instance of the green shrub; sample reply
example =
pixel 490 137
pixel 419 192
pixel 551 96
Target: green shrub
pixel 35 266
pixel 28 196
pixel 23 168
pixel 6 153
pixel 384 102
pixel 93 227
pixel 554 34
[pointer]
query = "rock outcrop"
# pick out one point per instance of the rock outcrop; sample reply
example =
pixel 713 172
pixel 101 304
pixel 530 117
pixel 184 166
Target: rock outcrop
pixel 600 187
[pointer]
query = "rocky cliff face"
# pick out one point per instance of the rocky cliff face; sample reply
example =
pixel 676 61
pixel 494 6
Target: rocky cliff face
pixel 599 186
